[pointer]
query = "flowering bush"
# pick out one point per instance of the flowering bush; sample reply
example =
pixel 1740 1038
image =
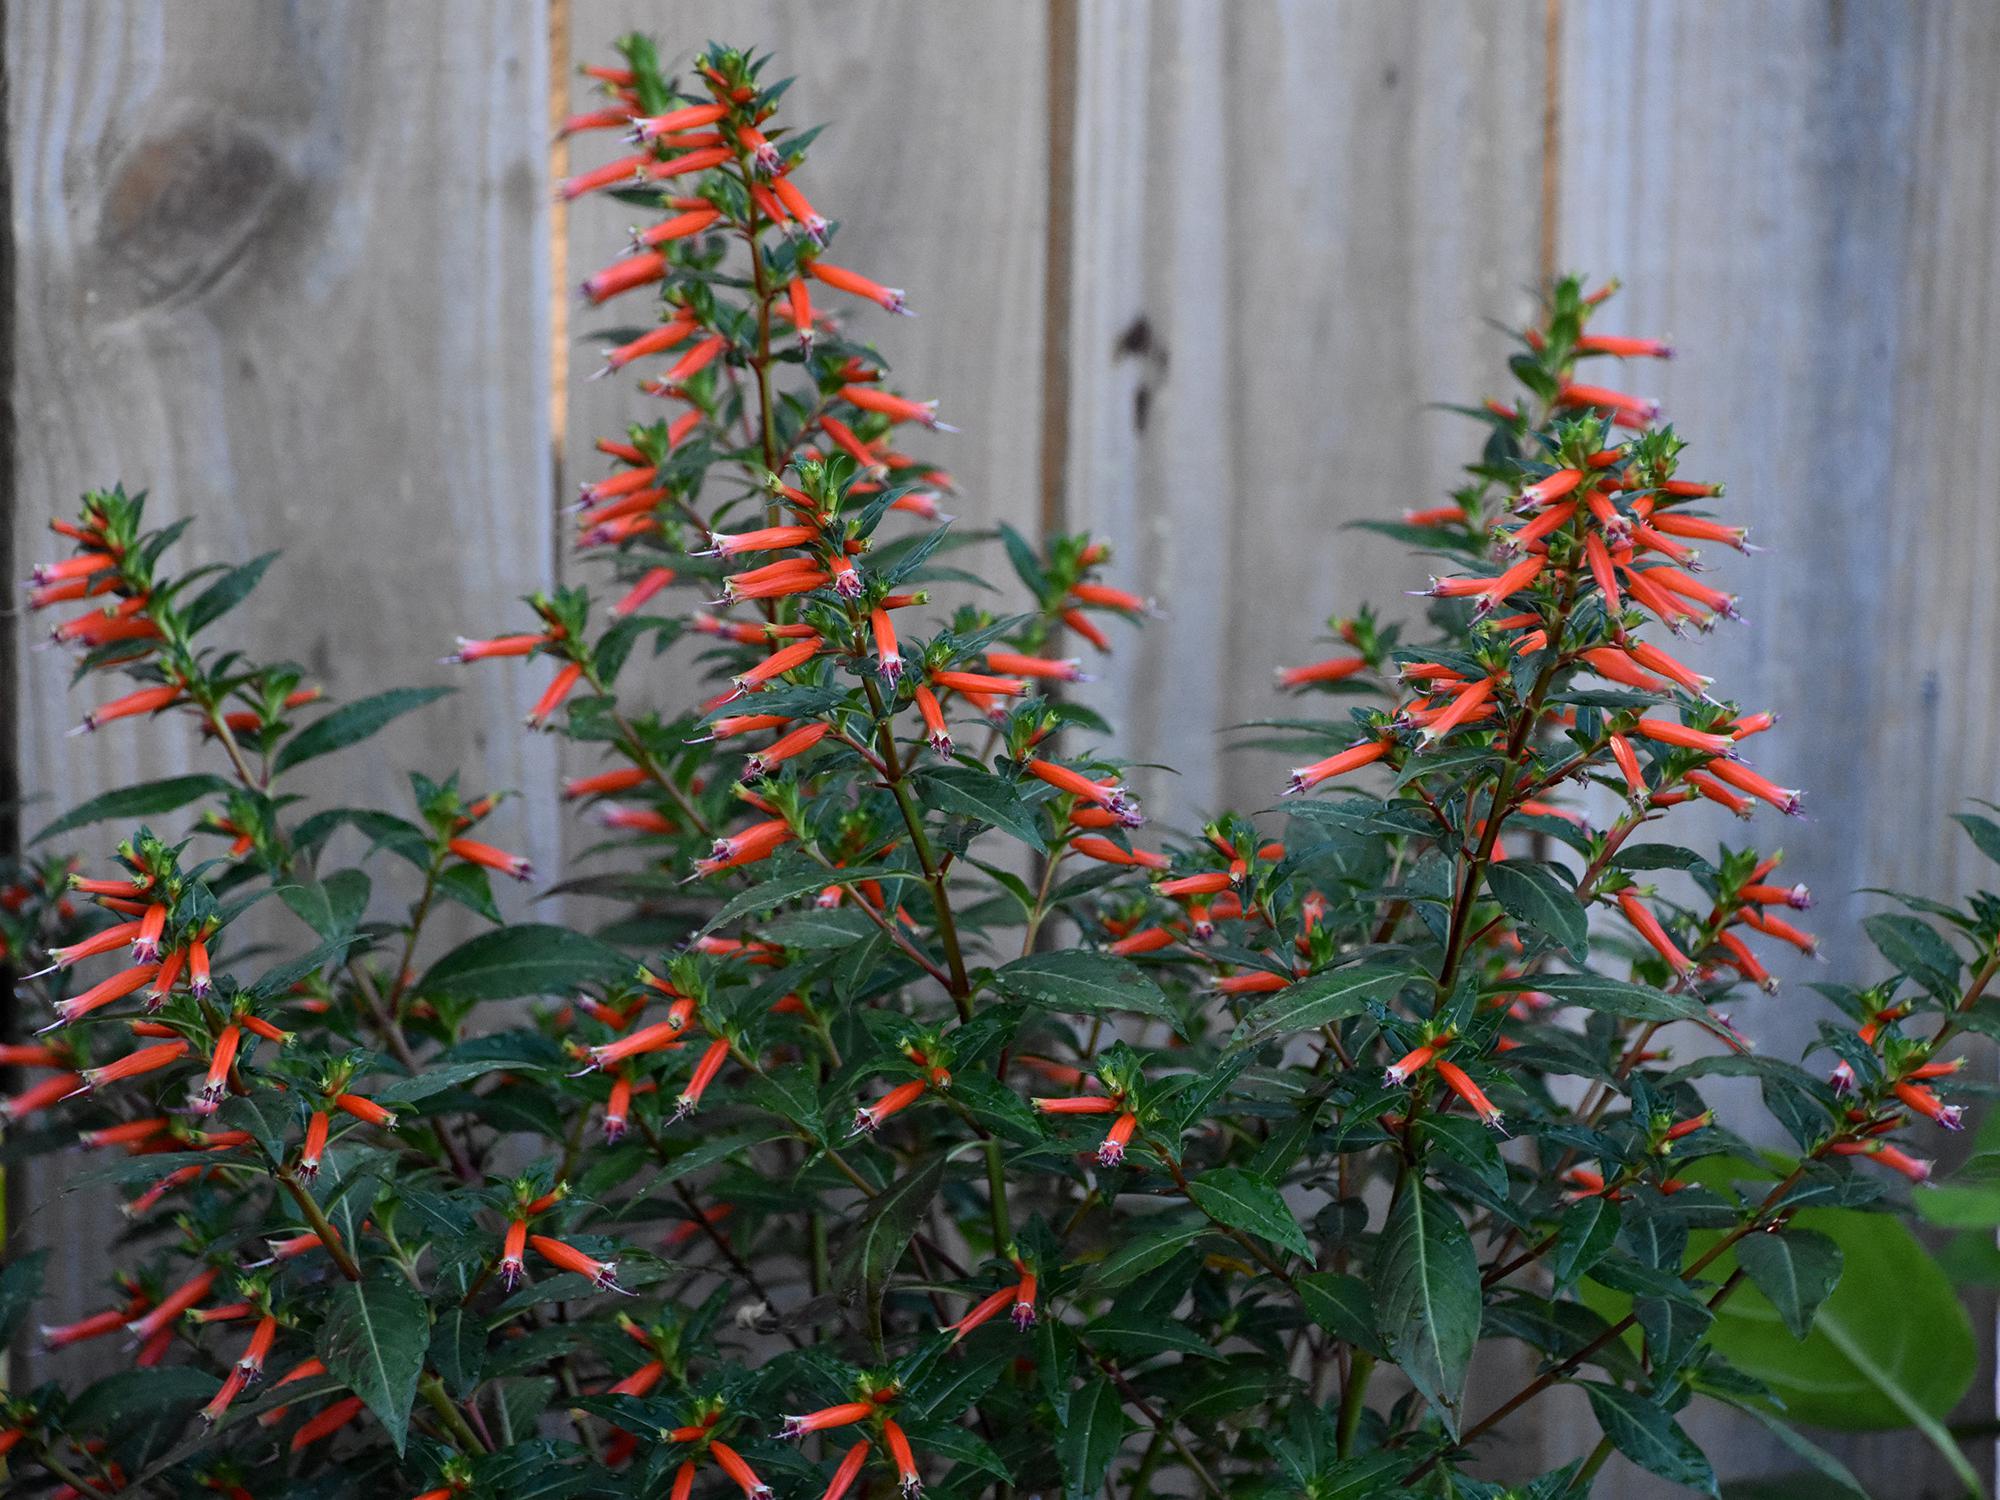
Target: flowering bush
pixel 919 1120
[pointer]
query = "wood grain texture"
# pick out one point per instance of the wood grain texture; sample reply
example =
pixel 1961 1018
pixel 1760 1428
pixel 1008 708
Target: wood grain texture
pixel 1291 222
pixel 286 268
pixel 1803 195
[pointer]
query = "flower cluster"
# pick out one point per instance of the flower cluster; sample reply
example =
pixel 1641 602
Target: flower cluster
pixel 886 1013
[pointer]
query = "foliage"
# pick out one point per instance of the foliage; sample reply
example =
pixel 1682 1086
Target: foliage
pixel 911 1119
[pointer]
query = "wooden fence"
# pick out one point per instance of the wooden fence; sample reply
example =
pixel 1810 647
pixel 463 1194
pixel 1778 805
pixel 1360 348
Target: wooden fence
pixel 1192 272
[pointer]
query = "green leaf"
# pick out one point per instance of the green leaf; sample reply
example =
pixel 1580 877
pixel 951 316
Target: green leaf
pixel 1985 833
pixel 1867 1364
pixel 330 907
pixel 1138 1335
pixel 1796 1270
pixel 1091 1439
pixel 1342 1305
pixel 1918 951
pixel 1536 896
pixel 1427 1297
pixel 985 798
pixel 1628 1002
pixel 1082 983
pixel 796 882
pixel 20 1285
pixel 228 591
pixel 1236 1198
pixel 1585 1233
pixel 352 723
pixel 458 1350
pixel 1829 1467
pixel 373 1341
pixel 890 1223
pixel 531 959
pixel 143 800
pixel 1132 1257
pixel 1644 1433
pixel 1318 1000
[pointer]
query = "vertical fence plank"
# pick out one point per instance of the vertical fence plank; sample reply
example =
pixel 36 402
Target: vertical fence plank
pixel 1291 222
pixel 286 268
pixel 1803 195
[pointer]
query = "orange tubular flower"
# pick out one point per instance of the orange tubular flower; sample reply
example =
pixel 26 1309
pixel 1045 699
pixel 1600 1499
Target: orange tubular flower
pixel 1893 1157
pixel 602 1273
pixel 849 1470
pixel 327 1422
pixel 1334 669
pixel 888 658
pixel 731 1463
pixel 895 408
pixel 220 1061
pixel 313 1153
pixel 365 1110
pixel 559 688
pixel 1207 883
pixel 1551 487
pixel 786 659
pixel 844 1415
pixel 606 783
pixel 757 842
pixel 1786 799
pixel 512 1247
pixel 1668 732
pixel 133 1065
pixel 704 1074
pixel 971 683
pixel 1111 1152
pixel 170 1307
pixel 906 1461
pixel 661 1036
pixel 103 993
pixel 1305 778
pixel 472 851
pixel 1460 1083
pixel 869 1117
pixel 763 762
pixel 1648 927
pixel 145 701
pixel 1400 1072
pixel 889 298
pixel 934 722
pixel 1103 850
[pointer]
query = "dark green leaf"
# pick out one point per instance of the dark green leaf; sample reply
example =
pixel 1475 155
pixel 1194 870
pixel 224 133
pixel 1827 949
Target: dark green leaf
pixel 141 801
pixel 1342 1305
pixel 1077 982
pixel 352 723
pixel 373 1341
pixel 1535 895
pixel 985 798
pixel 1644 1433
pixel 1251 1204
pixel 1091 1438
pixel 888 1225
pixel 1318 1000
pixel 798 881
pixel 458 1350
pixel 228 591
pixel 1427 1296
pixel 532 959
pixel 20 1285
pixel 1796 1269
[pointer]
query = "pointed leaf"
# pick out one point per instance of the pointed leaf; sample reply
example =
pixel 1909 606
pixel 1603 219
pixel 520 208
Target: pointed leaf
pixel 373 1341
pixel 1251 1204
pixel 1427 1293
pixel 1323 998
pixel 143 800
pixel 1796 1270
pixel 352 723
pixel 1644 1433
pixel 1077 982
pixel 531 959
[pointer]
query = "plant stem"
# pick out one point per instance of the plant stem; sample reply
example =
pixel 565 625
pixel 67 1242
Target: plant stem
pixel 328 1235
pixel 449 1414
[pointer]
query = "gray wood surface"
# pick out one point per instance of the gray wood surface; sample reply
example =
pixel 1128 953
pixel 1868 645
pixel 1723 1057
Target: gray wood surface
pixel 280 266
pixel 291 269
